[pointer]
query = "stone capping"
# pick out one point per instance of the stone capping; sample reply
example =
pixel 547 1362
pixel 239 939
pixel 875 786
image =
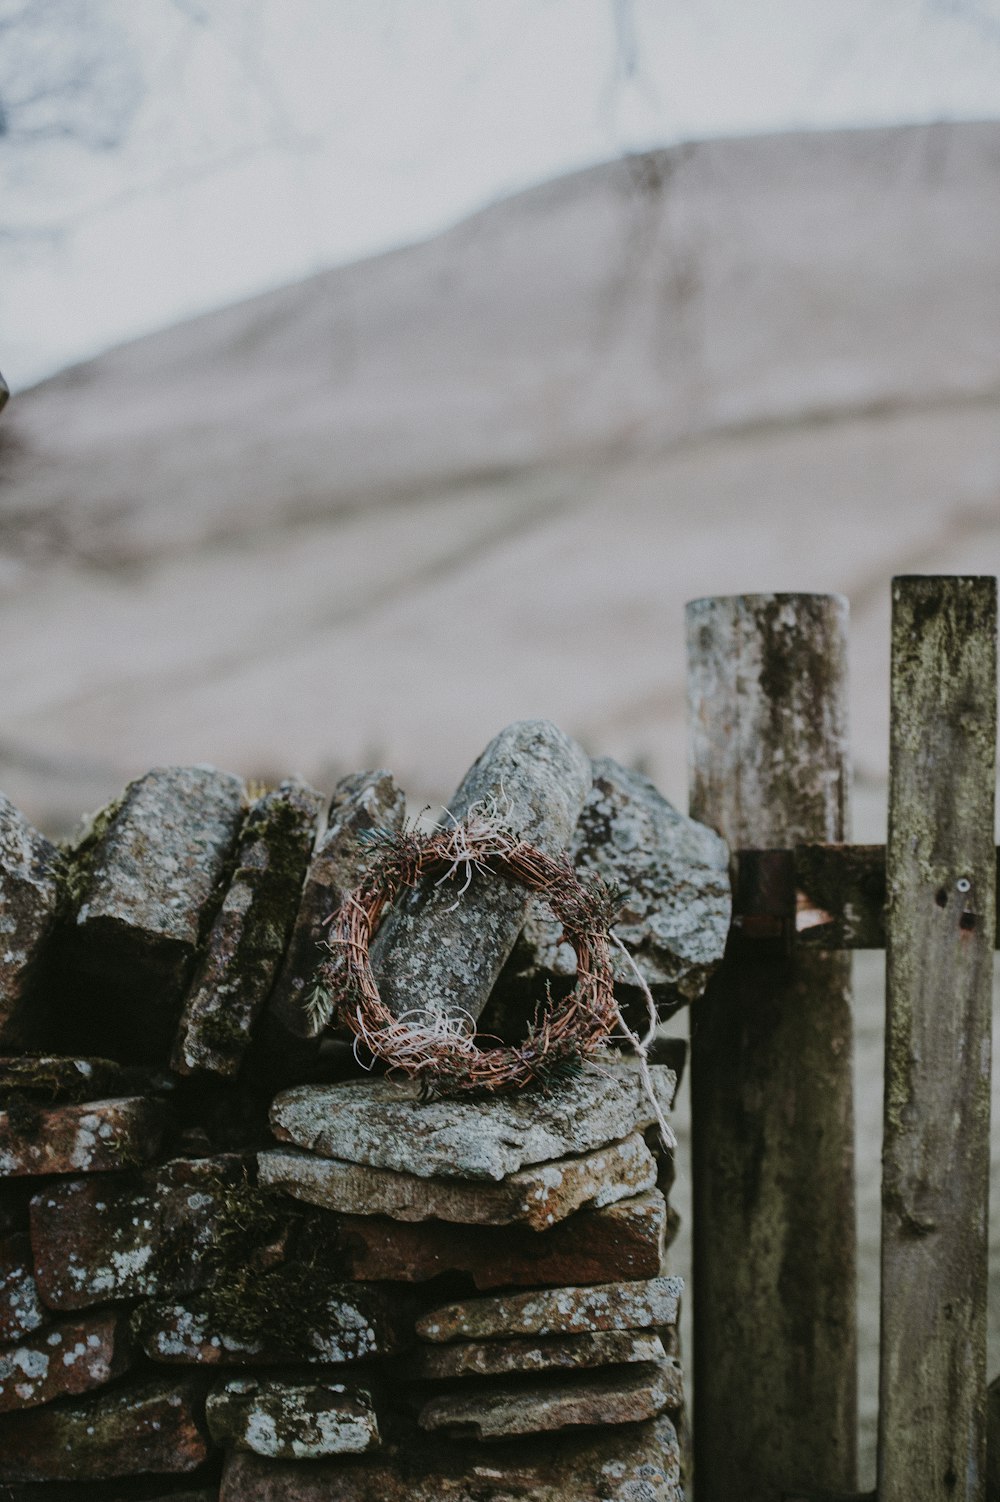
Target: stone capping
pixel 224 1244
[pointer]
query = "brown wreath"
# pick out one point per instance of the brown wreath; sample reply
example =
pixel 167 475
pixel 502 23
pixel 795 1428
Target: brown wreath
pixel 442 1051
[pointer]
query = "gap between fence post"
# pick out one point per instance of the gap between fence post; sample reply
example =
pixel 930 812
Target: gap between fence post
pixel 775 1342
pixel 941 907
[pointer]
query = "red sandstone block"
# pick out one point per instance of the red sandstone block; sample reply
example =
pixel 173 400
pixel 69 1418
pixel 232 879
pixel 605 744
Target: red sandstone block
pixel 64 1360
pixel 148 1428
pixel 622 1242
pixel 21 1309
pixel 95 1137
pixel 98 1240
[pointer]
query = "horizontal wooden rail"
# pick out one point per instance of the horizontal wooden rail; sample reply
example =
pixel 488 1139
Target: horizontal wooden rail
pixel 818 896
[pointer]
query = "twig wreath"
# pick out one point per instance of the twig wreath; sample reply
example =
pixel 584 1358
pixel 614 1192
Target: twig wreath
pixel 440 1049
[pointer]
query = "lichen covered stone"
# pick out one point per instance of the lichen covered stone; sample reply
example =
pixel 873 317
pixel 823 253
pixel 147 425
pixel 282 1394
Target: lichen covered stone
pixel 286 1420
pixel 148 1427
pixel 386 1125
pixel 361 802
pixel 337 1323
pixel 21 1307
pixel 557 1311
pixel 495 1358
pixel 247 940
pixel 96 1136
pixel 98 1241
pixel 63 1360
pixel 439 951
pixel 538 1196
pixel 495 1409
pixel 145 879
pixel 29 903
pixel 673 877
pixel 633 1463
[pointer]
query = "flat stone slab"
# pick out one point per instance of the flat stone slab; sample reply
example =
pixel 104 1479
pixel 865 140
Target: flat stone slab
pixel 361 803
pixel 344 1322
pixel 673 874
pixel 30 893
pixel 97 1241
pixel 495 1410
pixel 47 1078
pixel 442 949
pixel 385 1125
pixel 538 1196
pixel 499 1358
pixel 98 1136
pixel 246 943
pixel 557 1311
pixel 639 1463
pixel 64 1360
pixel 21 1308
pixel 150 1427
pixel 622 1241
pixel 146 876
pixel 292 1420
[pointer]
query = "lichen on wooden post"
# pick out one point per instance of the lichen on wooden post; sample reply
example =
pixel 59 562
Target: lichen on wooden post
pixel 941 887
pixel 775 1348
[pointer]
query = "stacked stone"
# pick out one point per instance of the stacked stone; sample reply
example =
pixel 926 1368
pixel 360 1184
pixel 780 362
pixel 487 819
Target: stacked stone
pixel 398 1298
pixel 551 1206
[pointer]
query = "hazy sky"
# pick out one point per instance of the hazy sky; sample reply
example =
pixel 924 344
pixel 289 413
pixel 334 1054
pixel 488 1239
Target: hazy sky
pixel 270 138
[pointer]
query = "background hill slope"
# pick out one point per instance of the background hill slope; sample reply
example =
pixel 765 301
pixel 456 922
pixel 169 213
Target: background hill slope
pixel 375 515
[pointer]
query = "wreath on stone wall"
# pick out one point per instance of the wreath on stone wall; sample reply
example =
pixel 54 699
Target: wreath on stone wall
pixel 441 1049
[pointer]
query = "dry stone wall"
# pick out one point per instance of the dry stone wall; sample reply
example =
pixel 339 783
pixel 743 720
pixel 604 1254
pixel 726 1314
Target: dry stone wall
pixel 233 1265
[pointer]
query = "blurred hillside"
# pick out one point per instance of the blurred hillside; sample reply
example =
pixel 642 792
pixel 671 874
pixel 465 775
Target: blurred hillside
pixel 371 517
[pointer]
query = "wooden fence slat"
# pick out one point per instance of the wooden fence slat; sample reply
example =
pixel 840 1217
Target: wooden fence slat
pixel 941 874
pixel 775 1352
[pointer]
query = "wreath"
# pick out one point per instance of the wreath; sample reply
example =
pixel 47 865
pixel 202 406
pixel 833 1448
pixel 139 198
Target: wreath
pixel 441 1049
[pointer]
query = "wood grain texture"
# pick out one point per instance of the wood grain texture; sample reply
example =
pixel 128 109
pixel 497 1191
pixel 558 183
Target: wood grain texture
pixel 772 1117
pixel 941 907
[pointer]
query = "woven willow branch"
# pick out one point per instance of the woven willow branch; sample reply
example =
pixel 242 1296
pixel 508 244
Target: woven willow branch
pixel 441 1049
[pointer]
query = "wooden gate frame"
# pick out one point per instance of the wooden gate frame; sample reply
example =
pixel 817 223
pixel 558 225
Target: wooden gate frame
pixel 774 1277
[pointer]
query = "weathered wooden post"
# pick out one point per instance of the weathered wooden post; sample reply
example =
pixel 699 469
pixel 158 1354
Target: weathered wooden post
pixel 775 1346
pixel 941 910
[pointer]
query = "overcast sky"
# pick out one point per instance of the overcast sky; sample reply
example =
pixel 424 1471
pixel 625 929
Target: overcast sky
pixel 267 139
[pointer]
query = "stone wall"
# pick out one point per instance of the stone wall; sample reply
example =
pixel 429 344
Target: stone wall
pixel 235 1265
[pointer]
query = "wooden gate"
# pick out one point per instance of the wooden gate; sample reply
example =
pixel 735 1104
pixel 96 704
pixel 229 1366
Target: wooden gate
pixel 774 1279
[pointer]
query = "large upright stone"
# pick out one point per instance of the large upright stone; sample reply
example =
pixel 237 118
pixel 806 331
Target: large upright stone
pixel 146 876
pixel 379 1122
pixel 247 939
pixel 361 802
pixel 29 901
pixel 443 952
pixel 673 876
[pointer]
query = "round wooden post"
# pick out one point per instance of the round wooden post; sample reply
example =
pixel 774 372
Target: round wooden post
pixel 775 1342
